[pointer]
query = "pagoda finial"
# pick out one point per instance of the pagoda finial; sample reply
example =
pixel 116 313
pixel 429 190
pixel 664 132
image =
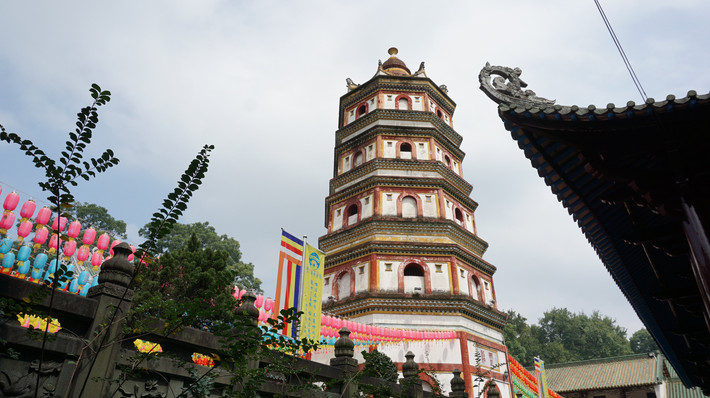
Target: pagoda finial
pixel 392 51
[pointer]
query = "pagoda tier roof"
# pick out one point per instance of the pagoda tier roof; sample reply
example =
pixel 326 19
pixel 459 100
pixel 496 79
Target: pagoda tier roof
pixel 361 240
pixel 385 171
pixel 429 304
pixel 636 179
pixel 389 182
pixel 397 83
pixel 396 118
pixel 396 130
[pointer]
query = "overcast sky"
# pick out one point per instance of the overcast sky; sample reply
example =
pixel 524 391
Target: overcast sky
pixel 261 81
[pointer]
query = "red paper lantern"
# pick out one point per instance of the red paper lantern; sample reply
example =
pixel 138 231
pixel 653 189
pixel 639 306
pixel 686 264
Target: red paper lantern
pixel 28 209
pixel 59 223
pixel 54 243
pixel 24 230
pixel 83 254
pixel 102 243
pixel 96 259
pixel 69 248
pixel 11 201
pixel 89 236
pixel 43 216
pixel 74 229
pixel 40 236
pixel 113 244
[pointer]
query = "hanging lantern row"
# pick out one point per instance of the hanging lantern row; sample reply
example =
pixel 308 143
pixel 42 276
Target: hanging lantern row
pixel 30 261
pixel 360 333
pixel 202 359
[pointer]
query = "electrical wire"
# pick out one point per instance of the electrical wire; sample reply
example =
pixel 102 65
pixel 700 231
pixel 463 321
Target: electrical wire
pixel 617 43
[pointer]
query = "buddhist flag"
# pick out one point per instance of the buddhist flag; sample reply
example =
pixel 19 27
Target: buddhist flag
pixel 541 378
pixel 288 284
pixel 313 263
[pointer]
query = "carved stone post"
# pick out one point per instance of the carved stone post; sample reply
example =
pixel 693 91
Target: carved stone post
pixel 114 300
pixel 458 386
pixel 249 310
pixel 410 371
pixel 344 352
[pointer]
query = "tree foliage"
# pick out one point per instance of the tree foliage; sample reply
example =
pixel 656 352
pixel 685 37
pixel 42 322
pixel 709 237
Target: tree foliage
pixel 166 287
pixel 642 342
pixel 564 336
pixel 98 217
pixel 208 237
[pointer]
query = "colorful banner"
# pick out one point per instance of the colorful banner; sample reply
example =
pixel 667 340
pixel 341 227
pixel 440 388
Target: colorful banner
pixel 314 261
pixel 541 378
pixel 288 284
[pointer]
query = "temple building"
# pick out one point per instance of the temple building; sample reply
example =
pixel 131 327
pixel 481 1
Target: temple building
pixel 402 248
pixel 636 179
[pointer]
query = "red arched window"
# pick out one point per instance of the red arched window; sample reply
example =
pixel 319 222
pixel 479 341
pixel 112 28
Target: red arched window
pixel 361 110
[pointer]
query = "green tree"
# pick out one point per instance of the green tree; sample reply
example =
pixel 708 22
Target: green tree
pixel 642 342
pixel 166 288
pixel 209 238
pixel 98 217
pixel 563 336
pixel 522 344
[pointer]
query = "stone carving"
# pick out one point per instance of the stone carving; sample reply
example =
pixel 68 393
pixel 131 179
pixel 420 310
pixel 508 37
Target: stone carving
pixel 22 385
pixel 506 87
pixel 150 390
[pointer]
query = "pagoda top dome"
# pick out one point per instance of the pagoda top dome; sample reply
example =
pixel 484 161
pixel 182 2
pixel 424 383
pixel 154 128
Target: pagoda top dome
pixel 394 65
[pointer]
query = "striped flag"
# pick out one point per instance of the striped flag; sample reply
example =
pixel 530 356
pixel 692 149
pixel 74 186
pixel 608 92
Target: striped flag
pixel 541 378
pixel 288 285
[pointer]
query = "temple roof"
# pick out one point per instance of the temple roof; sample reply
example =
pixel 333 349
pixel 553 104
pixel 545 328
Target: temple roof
pixel 608 373
pixel 629 176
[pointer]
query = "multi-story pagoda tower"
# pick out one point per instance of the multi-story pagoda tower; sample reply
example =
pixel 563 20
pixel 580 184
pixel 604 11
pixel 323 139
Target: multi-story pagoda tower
pixel 402 250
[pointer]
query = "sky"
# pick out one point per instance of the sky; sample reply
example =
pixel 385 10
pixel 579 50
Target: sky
pixel 261 81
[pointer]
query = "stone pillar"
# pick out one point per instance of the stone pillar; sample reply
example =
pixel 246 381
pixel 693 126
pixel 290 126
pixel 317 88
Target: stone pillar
pixel 248 309
pixel 458 386
pixel 114 300
pixel 411 382
pixel 344 352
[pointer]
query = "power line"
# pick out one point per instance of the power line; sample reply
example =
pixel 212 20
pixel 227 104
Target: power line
pixel 617 43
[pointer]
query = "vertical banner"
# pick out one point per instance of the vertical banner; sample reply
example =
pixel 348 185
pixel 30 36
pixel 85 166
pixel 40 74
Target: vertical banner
pixel 541 378
pixel 313 263
pixel 288 283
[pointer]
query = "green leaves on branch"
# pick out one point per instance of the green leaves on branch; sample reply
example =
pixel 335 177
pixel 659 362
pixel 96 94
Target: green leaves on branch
pixel 176 203
pixel 64 172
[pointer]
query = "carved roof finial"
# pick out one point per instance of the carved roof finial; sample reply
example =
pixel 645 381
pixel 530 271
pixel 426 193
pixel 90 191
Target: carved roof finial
pixel 507 87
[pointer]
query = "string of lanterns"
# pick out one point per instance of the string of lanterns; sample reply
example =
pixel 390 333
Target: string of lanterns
pixel 360 333
pixel 33 254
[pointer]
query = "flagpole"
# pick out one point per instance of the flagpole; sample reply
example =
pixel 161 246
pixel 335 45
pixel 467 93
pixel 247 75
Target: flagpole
pixel 300 287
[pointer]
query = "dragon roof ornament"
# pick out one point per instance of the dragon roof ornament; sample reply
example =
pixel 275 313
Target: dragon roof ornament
pixel 506 87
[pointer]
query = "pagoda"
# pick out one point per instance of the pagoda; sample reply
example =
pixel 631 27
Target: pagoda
pixel 402 249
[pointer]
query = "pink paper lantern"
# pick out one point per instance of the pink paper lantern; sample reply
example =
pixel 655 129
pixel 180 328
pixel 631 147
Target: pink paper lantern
pixel 242 293
pixel 113 244
pixel 268 304
pixel 24 229
pixel 235 293
pixel 83 254
pixel 69 248
pixel 89 236
pixel 102 243
pixel 54 243
pixel 133 253
pixel 43 216
pixel 11 201
pixel 28 209
pixel 7 221
pixel 59 223
pixel 259 301
pixel 96 259
pixel 41 235
pixel 74 229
